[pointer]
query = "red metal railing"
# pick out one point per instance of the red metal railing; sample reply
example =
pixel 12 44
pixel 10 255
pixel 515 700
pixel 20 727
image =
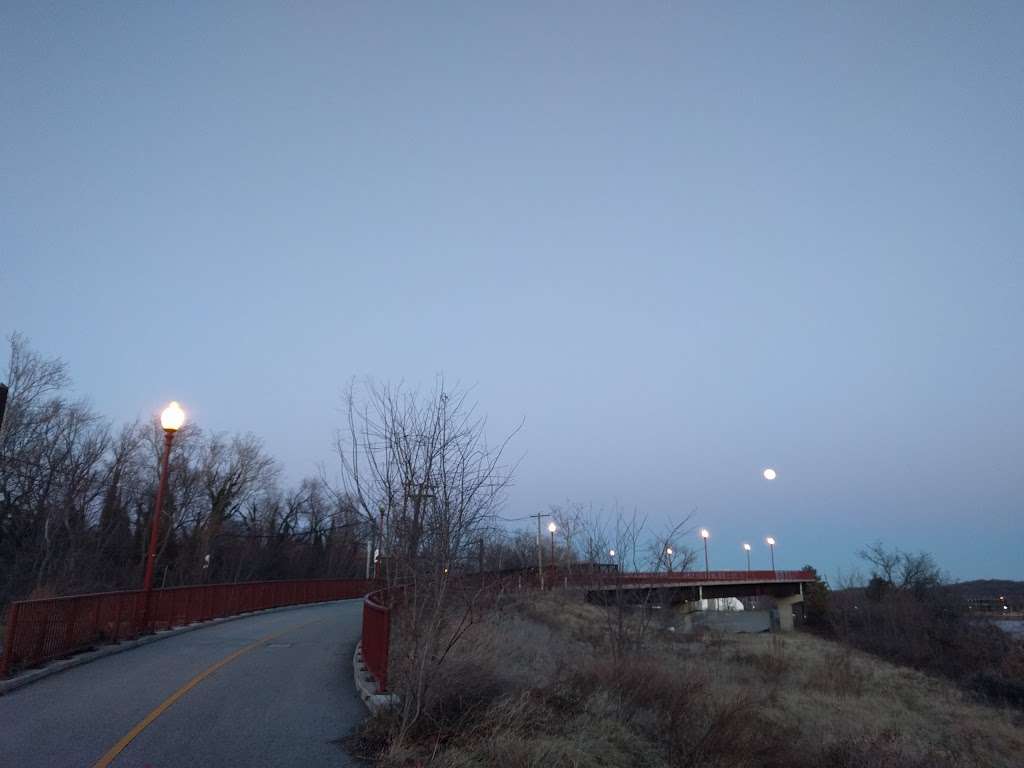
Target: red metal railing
pixel 41 630
pixel 376 642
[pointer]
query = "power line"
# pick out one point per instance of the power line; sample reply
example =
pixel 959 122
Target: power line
pixel 516 519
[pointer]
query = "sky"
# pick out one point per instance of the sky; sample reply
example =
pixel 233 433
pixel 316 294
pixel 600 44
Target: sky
pixel 681 242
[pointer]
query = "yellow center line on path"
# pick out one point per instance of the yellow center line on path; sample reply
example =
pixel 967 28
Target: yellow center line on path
pixel 115 750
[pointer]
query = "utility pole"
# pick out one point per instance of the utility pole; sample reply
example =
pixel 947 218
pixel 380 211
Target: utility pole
pixel 3 405
pixel 540 549
pixel 417 493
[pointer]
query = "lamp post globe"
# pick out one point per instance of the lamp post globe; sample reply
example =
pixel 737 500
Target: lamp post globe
pixel 173 417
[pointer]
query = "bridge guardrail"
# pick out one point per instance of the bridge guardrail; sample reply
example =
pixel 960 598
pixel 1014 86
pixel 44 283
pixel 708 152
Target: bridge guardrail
pixel 682 577
pixel 51 628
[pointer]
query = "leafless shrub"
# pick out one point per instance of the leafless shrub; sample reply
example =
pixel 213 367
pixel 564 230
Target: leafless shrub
pixel 772 665
pixel 906 614
pixel 883 751
pixel 677 704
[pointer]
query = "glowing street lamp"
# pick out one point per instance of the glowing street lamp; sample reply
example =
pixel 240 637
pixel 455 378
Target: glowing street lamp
pixel 770 541
pixel 172 419
pixel 551 529
pixel 746 548
pixel 668 551
pixel 704 534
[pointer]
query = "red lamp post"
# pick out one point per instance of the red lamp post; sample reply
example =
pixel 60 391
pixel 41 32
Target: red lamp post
pixel 171 420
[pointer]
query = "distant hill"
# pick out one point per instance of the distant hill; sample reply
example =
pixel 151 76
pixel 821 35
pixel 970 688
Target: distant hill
pixel 992 594
pixel 991 588
pixel 985 594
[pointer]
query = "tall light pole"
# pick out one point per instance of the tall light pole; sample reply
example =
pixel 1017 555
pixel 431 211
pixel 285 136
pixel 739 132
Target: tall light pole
pixel 171 420
pixel 746 548
pixel 705 534
pixel 540 550
pixel 770 541
pixel 551 529
pixel 3 404
pixel 668 551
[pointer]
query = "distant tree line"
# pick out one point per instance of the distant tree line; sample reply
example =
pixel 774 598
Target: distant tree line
pixel 77 493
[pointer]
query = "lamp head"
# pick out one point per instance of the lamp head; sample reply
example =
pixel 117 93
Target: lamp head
pixel 704 533
pixel 552 527
pixel 611 553
pixel 172 417
pixel 668 551
pixel 770 541
pixel 746 547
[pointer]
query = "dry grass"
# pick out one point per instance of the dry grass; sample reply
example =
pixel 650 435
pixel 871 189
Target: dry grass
pixel 534 686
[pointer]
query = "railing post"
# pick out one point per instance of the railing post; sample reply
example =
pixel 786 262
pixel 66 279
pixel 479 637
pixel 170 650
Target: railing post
pixel 96 617
pixel 42 630
pixel 10 639
pixel 69 629
pixel 117 618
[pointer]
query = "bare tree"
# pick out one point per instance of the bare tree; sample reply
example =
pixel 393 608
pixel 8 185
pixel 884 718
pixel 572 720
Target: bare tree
pixel 906 570
pixel 420 468
pixel 668 552
pixel 628 611
pixel 884 561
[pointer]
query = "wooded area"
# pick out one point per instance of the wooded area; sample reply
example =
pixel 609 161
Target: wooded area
pixel 76 498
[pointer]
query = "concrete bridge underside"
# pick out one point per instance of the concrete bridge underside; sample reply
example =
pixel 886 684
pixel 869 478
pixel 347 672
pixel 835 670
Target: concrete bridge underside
pixel 785 593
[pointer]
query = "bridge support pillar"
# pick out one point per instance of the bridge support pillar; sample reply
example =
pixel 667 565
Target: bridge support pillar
pixel 786 611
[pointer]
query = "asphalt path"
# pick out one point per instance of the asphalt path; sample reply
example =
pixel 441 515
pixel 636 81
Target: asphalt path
pixel 268 690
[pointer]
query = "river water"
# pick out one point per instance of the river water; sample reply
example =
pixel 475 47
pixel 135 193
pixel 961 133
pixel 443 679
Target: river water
pixel 1013 626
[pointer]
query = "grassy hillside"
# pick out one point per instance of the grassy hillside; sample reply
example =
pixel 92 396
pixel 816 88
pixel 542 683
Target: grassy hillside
pixel 534 685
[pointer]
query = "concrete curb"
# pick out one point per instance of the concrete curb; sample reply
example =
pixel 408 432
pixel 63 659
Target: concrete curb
pixel 366 685
pixel 34 675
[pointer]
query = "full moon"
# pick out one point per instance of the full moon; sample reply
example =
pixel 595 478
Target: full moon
pixel 769 474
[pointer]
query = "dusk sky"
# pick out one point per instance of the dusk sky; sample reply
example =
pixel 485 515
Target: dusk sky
pixel 683 242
